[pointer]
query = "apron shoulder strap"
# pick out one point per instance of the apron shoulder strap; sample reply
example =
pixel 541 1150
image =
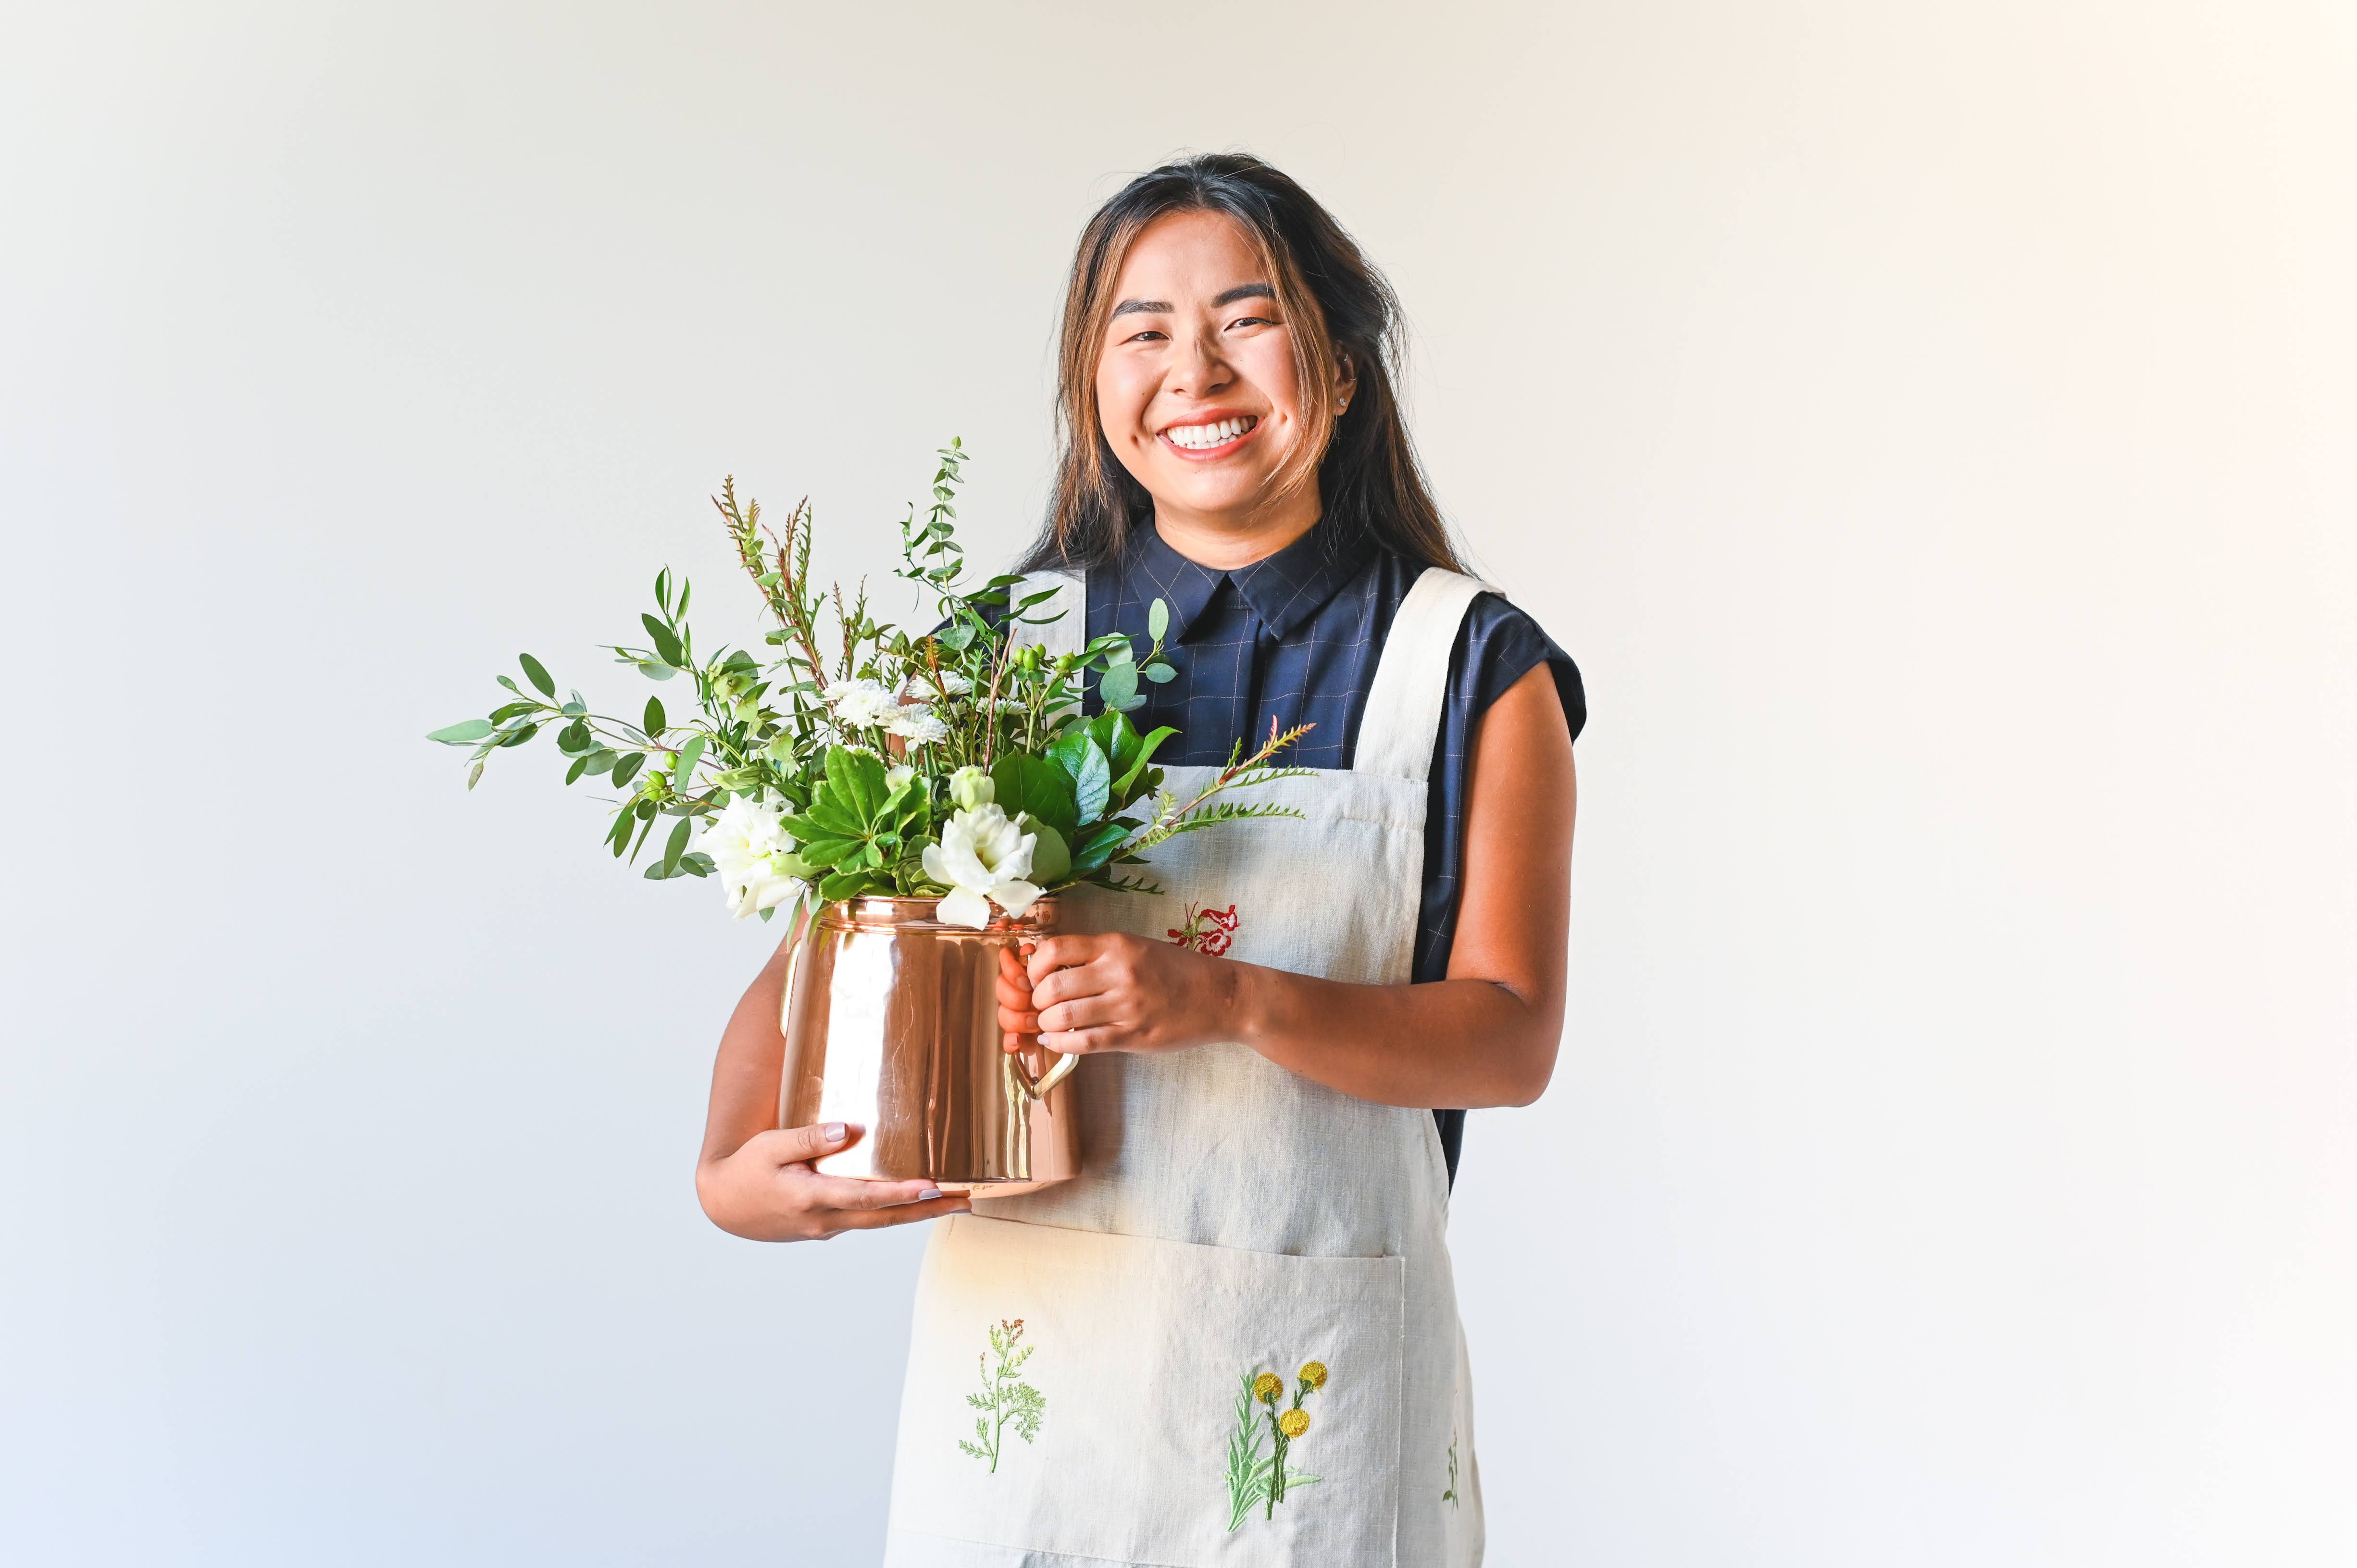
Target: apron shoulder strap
pixel 1068 633
pixel 1403 716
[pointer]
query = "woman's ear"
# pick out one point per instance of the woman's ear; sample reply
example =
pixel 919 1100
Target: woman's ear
pixel 1346 381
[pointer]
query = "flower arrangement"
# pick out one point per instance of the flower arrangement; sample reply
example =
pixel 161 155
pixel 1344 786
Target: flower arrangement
pixel 850 758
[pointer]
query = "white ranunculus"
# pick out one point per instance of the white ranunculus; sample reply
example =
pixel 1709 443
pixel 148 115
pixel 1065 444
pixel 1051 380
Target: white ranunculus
pixel 754 855
pixel 981 859
pixel 896 777
pixel 918 725
pixel 861 704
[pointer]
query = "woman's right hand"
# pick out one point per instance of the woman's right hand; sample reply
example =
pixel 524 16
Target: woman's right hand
pixel 767 1191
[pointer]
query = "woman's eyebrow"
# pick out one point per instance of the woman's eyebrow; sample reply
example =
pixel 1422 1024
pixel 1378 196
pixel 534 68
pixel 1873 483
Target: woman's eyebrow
pixel 1225 298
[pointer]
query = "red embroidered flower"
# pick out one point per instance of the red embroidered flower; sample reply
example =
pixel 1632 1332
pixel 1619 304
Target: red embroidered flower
pixel 1207 931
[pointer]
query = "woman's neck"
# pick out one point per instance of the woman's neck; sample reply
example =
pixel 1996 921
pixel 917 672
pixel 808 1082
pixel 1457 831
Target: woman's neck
pixel 1223 544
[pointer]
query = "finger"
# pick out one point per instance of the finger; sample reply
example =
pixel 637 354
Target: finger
pixel 1088 1012
pixel 1061 952
pixel 1014 990
pixel 906 1214
pixel 1085 1042
pixel 1069 985
pixel 793 1146
pixel 851 1193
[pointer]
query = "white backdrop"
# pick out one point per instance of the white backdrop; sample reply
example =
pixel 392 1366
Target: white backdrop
pixel 1930 428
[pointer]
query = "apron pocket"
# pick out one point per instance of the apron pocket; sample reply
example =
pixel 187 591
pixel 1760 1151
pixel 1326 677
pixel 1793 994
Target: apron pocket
pixel 1136 1400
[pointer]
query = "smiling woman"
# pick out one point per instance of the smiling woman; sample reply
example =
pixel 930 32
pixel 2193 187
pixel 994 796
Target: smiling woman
pixel 1270 1117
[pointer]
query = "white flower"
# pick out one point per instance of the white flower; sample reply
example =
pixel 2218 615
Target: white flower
pixel 952 684
pixel 754 855
pixel 983 858
pixel 916 723
pixel 861 704
pixel 896 777
pixel 970 786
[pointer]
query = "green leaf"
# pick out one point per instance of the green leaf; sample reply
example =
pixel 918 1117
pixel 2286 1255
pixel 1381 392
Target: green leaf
pixel 601 760
pixel 683 772
pixel 1096 845
pixel 475 774
pixel 662 587
pixel 1157 620
pixel 676 847
pixel 655 671
pixel 536 674
pixel 856 779
pixel 580 766
pixel 1051 861
pixel 628 767
pixel 842 885
pixel 1117 687
pixel 654 725
pixel 1080 756
pixel 518 736
pixel 1036 785
pixel 1159 671
pixel 1124 788
pixel 667 648
pixel 576 737
pixel 464 733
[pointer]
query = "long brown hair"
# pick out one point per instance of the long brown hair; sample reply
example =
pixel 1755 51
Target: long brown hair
pixel 1341 311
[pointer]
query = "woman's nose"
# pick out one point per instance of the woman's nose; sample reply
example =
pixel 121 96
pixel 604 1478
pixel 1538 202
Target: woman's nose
pixel 1200 372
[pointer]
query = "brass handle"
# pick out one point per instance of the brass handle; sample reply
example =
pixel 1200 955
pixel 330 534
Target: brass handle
pixel 1038 1088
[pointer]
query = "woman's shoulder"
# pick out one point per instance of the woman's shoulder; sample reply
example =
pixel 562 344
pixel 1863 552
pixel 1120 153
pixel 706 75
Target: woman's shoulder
pixel 1498 644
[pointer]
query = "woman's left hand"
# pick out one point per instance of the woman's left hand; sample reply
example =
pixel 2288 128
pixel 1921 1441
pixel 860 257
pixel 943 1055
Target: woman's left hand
pixel 1080 994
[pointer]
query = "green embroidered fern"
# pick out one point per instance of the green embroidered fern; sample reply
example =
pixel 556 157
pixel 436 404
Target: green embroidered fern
pixel 1004 1398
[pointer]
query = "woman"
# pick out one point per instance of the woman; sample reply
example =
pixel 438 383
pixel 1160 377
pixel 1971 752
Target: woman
pixel 1236 1335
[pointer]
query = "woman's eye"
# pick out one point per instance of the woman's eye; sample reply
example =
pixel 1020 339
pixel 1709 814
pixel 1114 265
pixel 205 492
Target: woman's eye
pixel 1250 321
pixel 1146 336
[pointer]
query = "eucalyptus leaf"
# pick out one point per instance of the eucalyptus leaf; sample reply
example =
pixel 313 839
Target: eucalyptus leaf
pixel 654 717
pixel 627 767
pixel 537 674
pixel 466 732
pixel 1157 620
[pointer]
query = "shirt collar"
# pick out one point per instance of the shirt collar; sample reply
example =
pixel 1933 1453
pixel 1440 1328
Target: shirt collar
pixel 1284 590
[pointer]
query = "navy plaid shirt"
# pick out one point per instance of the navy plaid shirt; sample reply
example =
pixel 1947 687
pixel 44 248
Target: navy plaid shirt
pixel 1294 638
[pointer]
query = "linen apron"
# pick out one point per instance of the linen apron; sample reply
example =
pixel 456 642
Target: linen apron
pixel 1232 1338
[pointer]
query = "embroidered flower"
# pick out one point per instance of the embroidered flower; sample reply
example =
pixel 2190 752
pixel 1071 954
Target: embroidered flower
pixel 1266 1387
pixel 981 859
pixel 1293 1422
pixel 1207 931
pixel 1313 1373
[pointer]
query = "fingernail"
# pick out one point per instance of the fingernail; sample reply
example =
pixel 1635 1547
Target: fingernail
pixel 929 1194
pixel 835 1132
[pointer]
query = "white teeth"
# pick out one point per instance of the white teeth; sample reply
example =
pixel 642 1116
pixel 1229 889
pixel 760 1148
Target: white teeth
pixel 1197 436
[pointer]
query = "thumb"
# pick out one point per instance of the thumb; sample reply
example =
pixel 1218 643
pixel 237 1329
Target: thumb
pixel 793 1146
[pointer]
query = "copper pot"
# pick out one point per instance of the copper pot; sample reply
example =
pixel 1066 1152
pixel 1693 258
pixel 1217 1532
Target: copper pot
pixel 891 1021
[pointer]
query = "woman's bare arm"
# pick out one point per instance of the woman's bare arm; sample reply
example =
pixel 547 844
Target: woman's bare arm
pixel 755 1178
pixel 1485 1035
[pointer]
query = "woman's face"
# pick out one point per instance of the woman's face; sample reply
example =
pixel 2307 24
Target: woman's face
pixel 1196 389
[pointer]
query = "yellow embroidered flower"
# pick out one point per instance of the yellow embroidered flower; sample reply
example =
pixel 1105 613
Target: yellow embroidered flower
pixel 1313 1373
pixel 1266 1387
pixel 1293 1422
